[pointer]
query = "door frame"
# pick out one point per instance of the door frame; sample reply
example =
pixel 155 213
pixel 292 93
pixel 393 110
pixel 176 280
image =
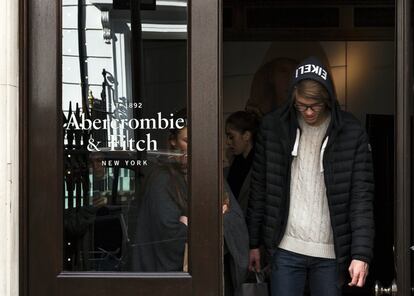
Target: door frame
pixel 41 163
pixel 403 138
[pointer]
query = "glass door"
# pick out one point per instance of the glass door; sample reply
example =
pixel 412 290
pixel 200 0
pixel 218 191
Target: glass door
pixel 123 150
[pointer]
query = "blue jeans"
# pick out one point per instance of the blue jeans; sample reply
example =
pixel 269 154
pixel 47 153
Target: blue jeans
pixel 290 270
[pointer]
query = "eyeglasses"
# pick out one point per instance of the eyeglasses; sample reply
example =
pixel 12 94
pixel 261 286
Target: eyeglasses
pixel 314 107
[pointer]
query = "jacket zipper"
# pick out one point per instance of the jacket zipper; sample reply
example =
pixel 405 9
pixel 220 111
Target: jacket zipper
pixel 329 202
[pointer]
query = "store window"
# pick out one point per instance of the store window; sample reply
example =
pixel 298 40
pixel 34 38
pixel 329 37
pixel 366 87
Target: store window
pixel 124 102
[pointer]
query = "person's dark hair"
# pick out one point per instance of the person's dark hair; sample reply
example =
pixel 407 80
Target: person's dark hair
pixel 173 169
pixel 243 121
pixel 182 113
pixel 311 89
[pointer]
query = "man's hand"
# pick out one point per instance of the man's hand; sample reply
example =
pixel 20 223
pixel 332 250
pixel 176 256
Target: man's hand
pixel 254 260
pixel 358 270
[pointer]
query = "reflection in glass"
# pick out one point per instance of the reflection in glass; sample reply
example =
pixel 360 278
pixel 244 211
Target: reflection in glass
pixel 161 225
pixel 125 185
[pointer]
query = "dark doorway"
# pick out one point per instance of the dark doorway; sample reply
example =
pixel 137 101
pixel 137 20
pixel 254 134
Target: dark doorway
pixel 264 40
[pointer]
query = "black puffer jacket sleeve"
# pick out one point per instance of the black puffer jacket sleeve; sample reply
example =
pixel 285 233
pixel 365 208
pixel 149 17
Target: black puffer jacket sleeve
pixel 257 200
pixel 361 203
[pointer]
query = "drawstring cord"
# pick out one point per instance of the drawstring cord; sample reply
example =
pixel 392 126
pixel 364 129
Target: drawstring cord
pixel 323 152
pixel 296 146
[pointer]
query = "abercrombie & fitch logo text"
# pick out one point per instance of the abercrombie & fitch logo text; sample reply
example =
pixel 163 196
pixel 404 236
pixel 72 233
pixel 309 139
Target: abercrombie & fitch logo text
pixel 311 68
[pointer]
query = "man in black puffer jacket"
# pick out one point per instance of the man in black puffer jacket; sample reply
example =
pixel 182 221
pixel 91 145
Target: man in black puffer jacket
pixel 311 202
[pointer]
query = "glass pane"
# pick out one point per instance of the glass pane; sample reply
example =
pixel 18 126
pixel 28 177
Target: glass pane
pixel 124 99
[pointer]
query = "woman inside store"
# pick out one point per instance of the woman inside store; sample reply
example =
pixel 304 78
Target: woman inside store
pixel 161 224
pixel 241 129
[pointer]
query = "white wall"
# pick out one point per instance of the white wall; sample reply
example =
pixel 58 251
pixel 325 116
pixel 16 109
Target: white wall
pixel 9 133
pixel 240 62
pixel 370 78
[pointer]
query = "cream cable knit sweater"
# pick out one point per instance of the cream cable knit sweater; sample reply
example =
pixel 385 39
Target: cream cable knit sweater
pixel 309 230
